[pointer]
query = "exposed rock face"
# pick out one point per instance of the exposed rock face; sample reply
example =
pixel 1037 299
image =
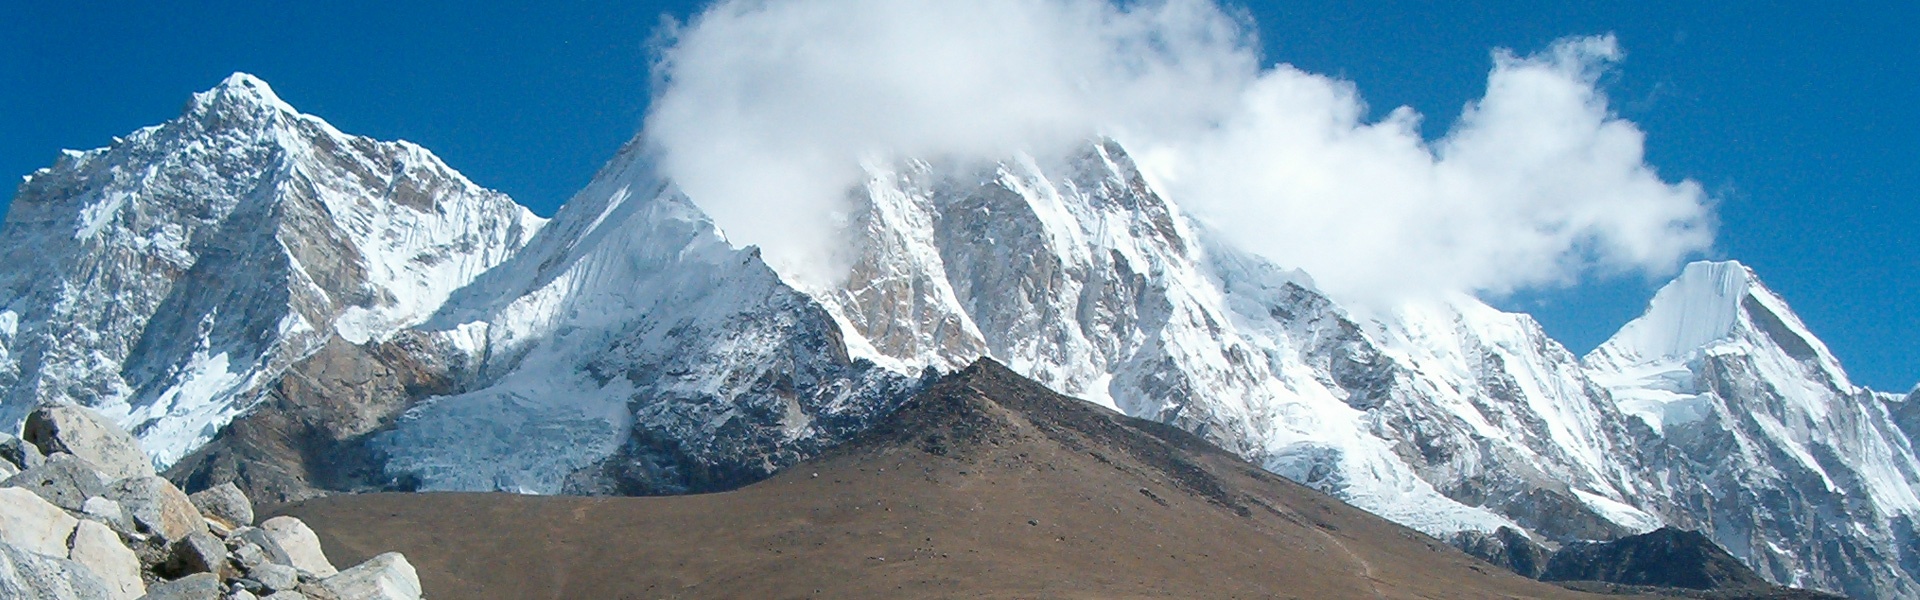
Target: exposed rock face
pixel 81 432
pixel 1507 547
pixel 167 279
pixel 310 433
pixel 276 577
pixel 1665 557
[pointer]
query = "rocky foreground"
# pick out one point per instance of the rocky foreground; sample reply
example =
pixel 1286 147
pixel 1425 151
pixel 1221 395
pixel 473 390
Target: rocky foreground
pixel 83 516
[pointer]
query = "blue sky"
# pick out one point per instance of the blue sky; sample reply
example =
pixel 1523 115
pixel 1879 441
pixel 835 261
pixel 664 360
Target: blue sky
pixel 1798 118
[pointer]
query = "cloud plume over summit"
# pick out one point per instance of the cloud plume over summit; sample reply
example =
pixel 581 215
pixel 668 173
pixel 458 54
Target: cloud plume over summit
pixel 765 109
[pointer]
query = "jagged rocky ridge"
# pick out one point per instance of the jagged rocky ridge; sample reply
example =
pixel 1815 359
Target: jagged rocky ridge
pixel 83 517
pixel 629 348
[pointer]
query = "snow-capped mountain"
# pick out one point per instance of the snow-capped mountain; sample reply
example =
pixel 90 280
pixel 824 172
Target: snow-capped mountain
pixel 1446 416
pixel 629 348
pixel 248 261
pixel 166 279
pixel 1765 441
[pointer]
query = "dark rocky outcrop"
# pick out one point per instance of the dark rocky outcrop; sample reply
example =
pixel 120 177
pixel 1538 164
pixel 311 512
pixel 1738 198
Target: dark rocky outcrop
pixel 1664 561
pixel 310 434
pixel 1505 547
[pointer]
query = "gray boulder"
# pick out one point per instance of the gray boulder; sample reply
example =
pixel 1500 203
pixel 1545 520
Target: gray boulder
pixel 276 577
pixel 226 503
pixel 198 586
pixel 87 434
pixel 28 522
pixel 157 508
pixel 384 577
pixel 107 512
pixel 199 552
pixel 251 557
pixel 285 595
pixel 7 470
pixel 253 547
pixel 63 479
pixel 99 549
pixel 301 545
pixel 27 574
pixel 19 453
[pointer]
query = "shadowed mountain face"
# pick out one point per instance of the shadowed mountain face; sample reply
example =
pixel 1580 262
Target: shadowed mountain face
pixel 985 485
pixel 1666 557
pixel 1667 561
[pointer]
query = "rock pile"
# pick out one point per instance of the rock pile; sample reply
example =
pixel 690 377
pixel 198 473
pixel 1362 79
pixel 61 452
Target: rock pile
pixel 83 516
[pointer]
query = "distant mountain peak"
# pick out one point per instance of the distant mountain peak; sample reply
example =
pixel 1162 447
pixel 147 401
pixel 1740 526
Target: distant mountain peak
pixel 238 94
pixel 166 279
pixel 1721 368
pixel 1711 304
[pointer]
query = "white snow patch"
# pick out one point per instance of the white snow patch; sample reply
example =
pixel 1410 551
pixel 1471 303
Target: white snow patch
pixel 98 214
pixel 1621 513
pixel 195 407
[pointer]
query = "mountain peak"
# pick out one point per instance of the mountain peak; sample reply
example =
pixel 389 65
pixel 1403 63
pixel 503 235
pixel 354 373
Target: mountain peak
pixel 240 92
pixel 1707 304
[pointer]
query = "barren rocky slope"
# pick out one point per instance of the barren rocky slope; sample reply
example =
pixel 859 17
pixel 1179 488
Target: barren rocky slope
pixel 985 486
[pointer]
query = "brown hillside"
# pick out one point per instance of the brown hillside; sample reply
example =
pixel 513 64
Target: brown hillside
pixel 985 486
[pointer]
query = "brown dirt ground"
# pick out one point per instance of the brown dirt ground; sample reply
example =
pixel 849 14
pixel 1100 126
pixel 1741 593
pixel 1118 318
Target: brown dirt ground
pixel 986 486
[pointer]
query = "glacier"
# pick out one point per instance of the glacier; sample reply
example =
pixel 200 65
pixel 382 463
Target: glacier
pixel 258 295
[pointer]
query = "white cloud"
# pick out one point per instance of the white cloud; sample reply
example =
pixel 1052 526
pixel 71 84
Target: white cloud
pixel 767 107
